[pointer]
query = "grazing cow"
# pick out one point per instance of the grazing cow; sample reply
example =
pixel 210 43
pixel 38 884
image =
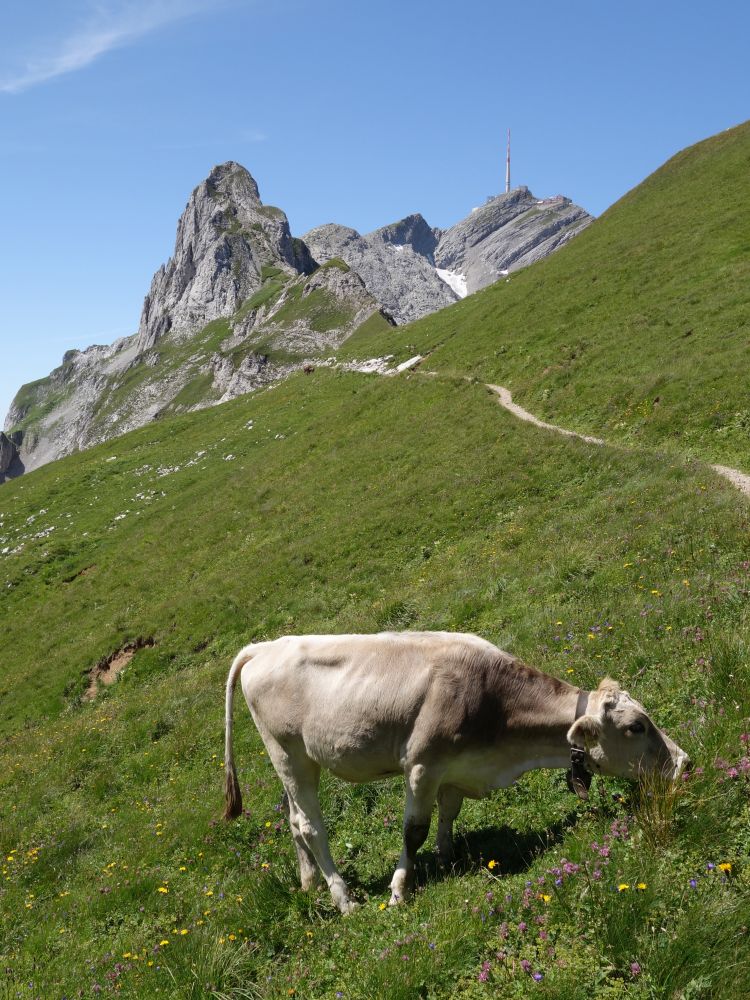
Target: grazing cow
pixel 453 713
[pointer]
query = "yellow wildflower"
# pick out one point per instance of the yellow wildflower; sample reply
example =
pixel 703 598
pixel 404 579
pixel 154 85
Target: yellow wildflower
pixel 492 864
pixel 623 886
pixel 641 886
pixel 725 866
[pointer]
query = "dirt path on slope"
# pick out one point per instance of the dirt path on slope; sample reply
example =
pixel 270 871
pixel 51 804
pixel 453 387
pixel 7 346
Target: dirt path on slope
pixel 739 479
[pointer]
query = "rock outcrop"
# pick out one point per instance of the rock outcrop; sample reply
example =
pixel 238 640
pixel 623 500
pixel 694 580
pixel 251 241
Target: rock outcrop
pixel 241 304
pixel 10 464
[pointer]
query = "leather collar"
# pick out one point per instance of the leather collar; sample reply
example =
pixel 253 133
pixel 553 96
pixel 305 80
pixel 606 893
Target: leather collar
pixel 579 776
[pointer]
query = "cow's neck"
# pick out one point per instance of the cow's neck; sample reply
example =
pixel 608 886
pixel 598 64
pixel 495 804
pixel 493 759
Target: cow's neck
pixel 540 716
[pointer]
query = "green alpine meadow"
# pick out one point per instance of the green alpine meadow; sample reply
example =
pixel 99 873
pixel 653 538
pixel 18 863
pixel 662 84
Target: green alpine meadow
pixel 337 501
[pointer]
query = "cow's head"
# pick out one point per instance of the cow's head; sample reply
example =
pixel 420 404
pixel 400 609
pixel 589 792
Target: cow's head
pixel 621 740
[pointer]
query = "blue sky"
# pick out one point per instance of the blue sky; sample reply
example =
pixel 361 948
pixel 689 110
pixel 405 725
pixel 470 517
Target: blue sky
pixel 111 111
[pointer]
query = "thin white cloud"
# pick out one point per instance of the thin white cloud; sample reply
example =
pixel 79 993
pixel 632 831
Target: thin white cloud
pixel 110 25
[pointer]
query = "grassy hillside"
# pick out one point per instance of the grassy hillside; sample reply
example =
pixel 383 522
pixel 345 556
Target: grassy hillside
pixel 639 329
pixel 341 502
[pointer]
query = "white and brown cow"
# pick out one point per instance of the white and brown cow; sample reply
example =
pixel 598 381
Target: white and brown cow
pixel 453 713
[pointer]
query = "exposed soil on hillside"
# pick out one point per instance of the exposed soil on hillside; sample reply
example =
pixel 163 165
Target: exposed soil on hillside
pixel 107 671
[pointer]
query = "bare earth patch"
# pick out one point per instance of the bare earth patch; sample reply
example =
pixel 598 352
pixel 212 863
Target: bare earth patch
pixel 109 669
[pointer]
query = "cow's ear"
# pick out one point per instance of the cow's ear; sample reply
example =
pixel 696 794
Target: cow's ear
pixel 584 731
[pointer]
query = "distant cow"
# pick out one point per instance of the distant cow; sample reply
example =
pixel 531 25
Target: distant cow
pixel 453 713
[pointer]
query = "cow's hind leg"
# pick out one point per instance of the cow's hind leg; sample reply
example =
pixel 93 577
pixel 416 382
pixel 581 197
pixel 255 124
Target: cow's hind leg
pixel 450 800
pixel 300 775
pixel 308 866
pixel 421 788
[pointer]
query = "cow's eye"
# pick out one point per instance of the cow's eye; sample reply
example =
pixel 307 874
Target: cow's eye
pixel 635 727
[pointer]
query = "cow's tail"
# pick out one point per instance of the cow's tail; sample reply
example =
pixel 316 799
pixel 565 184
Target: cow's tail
pixel 232 793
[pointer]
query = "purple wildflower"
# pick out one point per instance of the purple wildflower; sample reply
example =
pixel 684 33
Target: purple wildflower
pixel 635 968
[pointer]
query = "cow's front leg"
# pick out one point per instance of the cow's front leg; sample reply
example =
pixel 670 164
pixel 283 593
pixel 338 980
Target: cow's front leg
pixel 421 788
pixel 450 800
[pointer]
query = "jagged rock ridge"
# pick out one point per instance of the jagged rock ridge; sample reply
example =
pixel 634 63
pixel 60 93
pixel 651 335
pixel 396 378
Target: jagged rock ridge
pixel 414 269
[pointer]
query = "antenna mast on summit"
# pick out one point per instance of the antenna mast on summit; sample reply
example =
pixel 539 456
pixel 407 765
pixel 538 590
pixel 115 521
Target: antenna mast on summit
pixel 507 166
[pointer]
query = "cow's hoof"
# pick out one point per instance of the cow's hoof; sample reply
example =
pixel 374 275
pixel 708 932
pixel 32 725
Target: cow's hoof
pixel 347 907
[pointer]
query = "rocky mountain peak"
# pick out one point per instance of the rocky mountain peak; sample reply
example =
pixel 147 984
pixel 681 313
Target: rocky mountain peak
pixel 229 176
pixel 412 231
pixel 225 238
pixel 509 231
